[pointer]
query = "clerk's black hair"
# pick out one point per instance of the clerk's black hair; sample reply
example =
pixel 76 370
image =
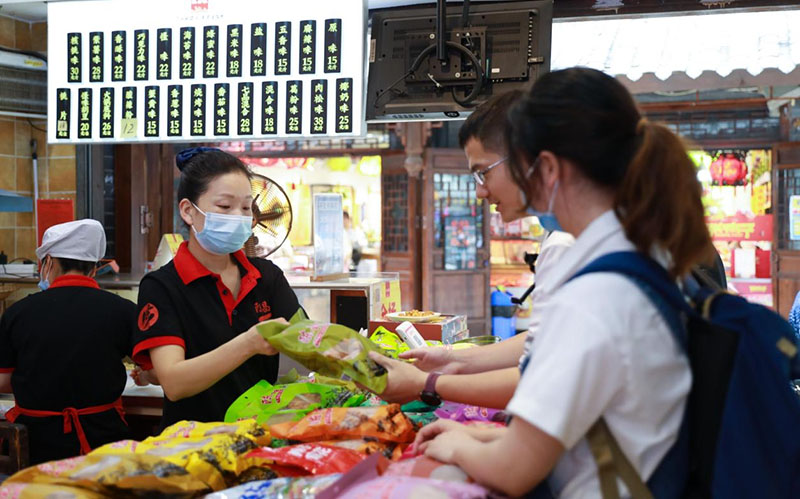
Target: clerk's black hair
pixel 200 165
pixel 70 265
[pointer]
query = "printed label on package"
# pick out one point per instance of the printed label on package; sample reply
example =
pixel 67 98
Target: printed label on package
pixel 221 108
pixel 198 118
pixel 164 55
pixel 234 50
pixel 319 106
pixel 294 106
pixel 283 52
pixel 210 51
pixel 62 113
pixel 269 120
pixel 175 111
pixel 118 56
pixel 344 105
pixel 245 109
pixel 151 107
pixel 85 113
pixel 187 53
pixel 333 45
pixel 96 56
pixel 308 34
pixel 142 48
pixel 73 57
pixel 258 49
pixel 106 112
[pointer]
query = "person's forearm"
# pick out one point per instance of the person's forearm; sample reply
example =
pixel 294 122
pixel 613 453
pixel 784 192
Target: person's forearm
pixel 491 357
pixel 189 377
pixel 493 466
pixel 488 389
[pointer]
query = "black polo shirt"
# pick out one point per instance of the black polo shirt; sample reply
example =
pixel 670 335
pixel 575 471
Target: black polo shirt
pixel 64 348
pixel 183 303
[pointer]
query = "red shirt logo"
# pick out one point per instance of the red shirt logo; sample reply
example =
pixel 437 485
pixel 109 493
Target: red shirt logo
pixel 147 317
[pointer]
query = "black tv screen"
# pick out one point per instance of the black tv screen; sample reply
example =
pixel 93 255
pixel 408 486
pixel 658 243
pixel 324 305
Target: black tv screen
pixel 496 47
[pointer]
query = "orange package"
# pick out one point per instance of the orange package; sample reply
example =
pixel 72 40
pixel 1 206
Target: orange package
pixel 390 450
pixel 386 423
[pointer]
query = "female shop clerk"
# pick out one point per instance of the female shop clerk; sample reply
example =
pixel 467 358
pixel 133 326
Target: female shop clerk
pixel 197 313
pixel 584 157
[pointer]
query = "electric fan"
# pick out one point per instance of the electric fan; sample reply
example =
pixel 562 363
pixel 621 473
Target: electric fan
pixel 272 217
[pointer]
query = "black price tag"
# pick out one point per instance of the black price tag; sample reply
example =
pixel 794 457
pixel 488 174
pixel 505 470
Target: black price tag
pixel 333 45
pixel 118 57
pixel 283 53
pixel 344 105
pixel 85 113
pixel 142 43
pixel 308 35
pixel 234 50
pixel 96 59
pixel 294 106
pixel 62 113
pixel 73 57
pixel 222 101
pixel 245 109
pixel 187 53
pixel 258 49
pixel 151 109
pixel 106 113
pixel 269 119
pixel 198 110
pixel 210 51
pixel 319 106
pixel 175 107
pixel 164 56
pixel 129 103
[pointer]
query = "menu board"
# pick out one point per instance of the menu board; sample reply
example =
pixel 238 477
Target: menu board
pixel 205 70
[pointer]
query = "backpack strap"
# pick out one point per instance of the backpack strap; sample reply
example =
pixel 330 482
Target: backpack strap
pixel 612 462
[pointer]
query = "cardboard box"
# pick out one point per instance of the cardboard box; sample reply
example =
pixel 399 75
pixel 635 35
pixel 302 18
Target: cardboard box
pixel 451 328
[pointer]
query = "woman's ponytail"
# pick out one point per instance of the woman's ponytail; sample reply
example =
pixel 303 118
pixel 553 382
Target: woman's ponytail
pixel 659 200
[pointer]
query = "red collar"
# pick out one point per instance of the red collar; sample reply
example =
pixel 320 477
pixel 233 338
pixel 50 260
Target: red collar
pixel 74 280
pixel 190 269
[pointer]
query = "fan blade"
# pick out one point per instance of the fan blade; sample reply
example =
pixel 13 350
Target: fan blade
pixel 268 228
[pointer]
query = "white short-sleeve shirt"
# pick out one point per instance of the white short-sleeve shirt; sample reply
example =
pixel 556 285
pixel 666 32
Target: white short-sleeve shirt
pixel 602 350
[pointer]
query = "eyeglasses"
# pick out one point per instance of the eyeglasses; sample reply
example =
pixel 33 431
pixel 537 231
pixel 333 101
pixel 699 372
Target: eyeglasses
pixel 480 175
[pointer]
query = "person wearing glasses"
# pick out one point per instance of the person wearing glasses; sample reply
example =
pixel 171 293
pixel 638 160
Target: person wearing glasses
pixel 485 376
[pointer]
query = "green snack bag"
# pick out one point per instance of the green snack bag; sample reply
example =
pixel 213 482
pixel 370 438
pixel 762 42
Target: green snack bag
pixel 389 341
pixel 278 403
pixel 329 349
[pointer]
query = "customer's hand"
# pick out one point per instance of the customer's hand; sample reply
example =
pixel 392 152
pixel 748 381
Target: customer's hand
pixel 442 359
pixel 404 381
pixel 432 430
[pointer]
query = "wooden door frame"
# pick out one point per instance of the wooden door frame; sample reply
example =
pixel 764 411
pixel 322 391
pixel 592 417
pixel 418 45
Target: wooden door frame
pixel 777 253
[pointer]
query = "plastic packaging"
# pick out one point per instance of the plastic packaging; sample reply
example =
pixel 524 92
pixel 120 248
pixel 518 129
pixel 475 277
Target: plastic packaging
pixel 280 488
pixel 386 423
pixel 410 335
pixel 403 487
pixel 304 459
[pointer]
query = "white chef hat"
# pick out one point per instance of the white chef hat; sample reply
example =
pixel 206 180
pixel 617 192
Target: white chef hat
pixel 83 240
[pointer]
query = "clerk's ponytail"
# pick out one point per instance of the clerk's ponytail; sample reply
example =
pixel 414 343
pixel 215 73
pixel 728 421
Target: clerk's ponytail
pixel 589 118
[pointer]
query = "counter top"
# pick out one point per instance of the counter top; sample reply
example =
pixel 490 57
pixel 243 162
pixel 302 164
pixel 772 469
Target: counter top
pixel 107 281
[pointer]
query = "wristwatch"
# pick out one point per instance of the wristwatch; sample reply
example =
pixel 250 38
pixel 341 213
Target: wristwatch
pixel 428 394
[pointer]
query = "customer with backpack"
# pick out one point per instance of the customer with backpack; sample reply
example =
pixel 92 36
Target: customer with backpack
pixel 585 159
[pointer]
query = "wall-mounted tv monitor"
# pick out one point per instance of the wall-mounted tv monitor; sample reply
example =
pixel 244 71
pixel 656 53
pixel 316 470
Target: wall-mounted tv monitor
pixel 490 48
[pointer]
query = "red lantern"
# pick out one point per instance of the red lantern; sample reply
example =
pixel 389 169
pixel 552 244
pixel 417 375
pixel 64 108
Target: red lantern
pixel 727 169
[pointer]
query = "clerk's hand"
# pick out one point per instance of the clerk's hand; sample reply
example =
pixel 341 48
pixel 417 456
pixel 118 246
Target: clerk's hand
pixel 144 378
pixel 404 381
pixel 256 344
pixel 434 359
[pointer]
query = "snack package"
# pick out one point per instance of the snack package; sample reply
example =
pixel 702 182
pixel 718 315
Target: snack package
pixel 367 447
pixel 422 418
pixel 272 404
pixel 463 413
pixel 210 452
pixel 113 476
pixel 402 487
pixel 329 349
pixel 39 490
pixel 304 459
pixel 386 423
pixel 425 467
pixel 389 342
pixel 280 488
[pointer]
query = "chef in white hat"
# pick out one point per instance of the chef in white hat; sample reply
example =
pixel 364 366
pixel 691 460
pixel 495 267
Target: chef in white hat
pixel 61 350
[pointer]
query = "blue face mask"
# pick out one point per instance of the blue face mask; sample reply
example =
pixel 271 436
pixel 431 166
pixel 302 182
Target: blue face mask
pixel 223 234
pixel 547 219
pixel 43 283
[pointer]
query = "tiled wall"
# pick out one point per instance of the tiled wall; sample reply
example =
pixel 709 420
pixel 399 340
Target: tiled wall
pixel 56 162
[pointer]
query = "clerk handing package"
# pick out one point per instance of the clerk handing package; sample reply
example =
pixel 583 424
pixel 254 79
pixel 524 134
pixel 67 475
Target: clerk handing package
pixel 62 349
pixel 197 313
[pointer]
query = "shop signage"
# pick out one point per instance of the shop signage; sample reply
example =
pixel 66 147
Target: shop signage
pixel 217 70
pixel 794 218
pixel 754 290
pixel 741 228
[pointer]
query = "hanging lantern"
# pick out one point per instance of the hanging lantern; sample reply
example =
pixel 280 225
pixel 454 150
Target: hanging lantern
pixel 728 169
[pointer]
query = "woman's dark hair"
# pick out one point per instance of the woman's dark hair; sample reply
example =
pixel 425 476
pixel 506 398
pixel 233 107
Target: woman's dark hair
pixel 70 265
pixel 199 166
pixel 589 118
